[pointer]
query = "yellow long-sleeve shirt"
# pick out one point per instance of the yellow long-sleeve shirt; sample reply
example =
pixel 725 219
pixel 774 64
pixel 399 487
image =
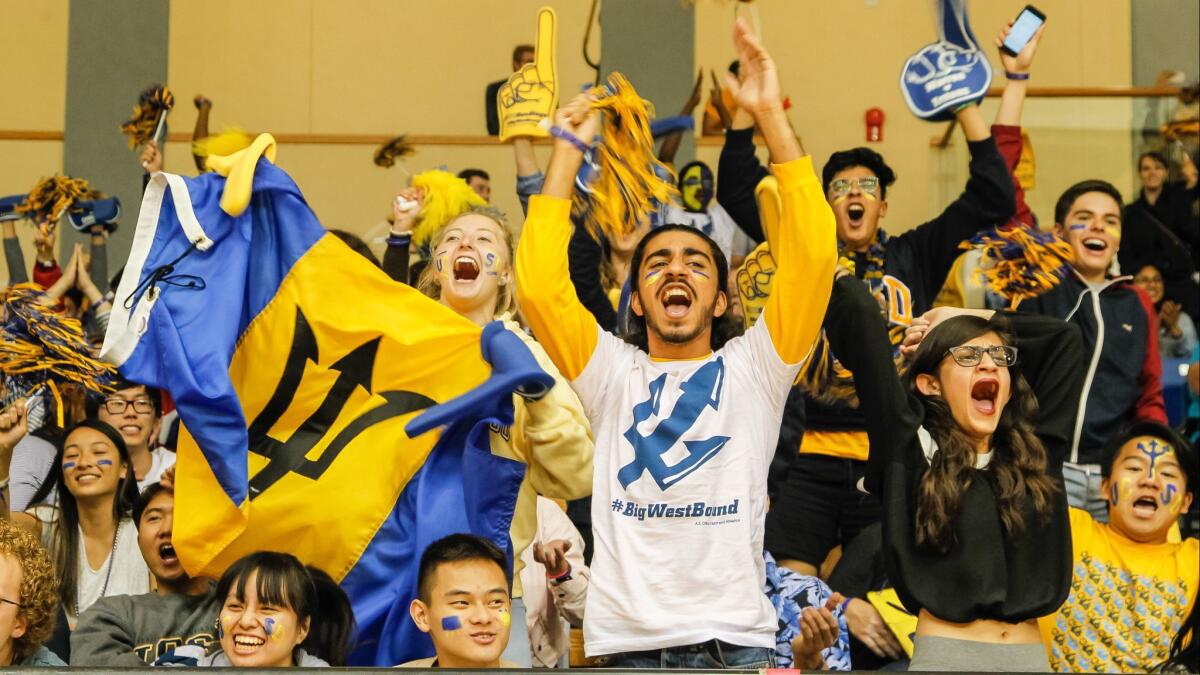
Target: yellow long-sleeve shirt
pixel 805 254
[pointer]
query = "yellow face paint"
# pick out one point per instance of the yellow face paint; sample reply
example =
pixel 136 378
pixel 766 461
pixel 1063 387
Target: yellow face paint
pixel 652 277
pixel 505 618
pixel 1113 231
pixel 839 200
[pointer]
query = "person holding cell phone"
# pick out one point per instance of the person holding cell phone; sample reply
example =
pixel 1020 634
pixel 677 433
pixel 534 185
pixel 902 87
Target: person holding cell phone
pixel 966 457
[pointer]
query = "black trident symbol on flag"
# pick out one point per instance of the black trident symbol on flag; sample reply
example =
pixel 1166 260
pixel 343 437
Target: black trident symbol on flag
pixel 354 370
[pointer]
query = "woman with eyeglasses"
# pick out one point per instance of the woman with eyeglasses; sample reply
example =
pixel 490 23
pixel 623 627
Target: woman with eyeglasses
pixel 89 533
pixel 966 457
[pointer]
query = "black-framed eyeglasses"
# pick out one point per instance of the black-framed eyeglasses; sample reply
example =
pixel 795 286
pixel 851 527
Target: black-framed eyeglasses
pixel 117 406
pixel 970 355
pixel 10 602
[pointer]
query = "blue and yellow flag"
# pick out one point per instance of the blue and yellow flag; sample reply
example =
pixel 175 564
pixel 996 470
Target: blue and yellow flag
pixel 303 376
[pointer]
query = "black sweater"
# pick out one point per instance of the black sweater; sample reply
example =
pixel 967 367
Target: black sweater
pixel 987 574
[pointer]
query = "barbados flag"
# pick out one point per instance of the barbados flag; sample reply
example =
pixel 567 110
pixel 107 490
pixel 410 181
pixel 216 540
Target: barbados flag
pixel 304 378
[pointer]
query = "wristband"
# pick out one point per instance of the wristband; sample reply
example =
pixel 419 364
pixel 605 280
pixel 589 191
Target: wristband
pixel 845 604
pixel 565 576
pixel 399 238
pixel 1016 76
pixel 559 132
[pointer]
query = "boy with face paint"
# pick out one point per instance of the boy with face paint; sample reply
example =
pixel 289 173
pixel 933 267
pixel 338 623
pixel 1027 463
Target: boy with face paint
pixel 701 211
pixel 1120 333
pixel 1132 587
pixel 463 603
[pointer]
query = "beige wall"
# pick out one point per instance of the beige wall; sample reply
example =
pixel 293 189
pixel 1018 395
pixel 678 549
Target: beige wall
pixel 837 59
pixel 394 66
pixel 34 79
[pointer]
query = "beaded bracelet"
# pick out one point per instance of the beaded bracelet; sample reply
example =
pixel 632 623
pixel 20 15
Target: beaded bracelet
pixel 1016 76
pixel 559 132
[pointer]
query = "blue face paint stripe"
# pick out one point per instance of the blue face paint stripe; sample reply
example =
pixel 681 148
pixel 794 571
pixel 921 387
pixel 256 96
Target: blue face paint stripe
pixel 1169 494
pixel 1114 493
pixel 67 466
pixel 451 623
pixel 104 462
pixel 268 626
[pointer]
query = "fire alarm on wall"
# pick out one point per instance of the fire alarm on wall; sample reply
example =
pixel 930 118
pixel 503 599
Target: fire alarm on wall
pixel 874 119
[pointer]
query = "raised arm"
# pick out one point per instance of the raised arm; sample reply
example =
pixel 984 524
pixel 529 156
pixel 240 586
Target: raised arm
pixel 859 337
pixel 739 173
pixel 806 251
pixel 560 322
pixel 13 257
pixel 1007 127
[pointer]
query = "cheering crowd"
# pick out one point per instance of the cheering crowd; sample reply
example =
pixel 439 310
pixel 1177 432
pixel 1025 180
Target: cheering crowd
pixel 773 435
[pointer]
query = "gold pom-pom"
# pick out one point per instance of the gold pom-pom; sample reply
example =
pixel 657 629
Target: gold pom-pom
pixel 446 196
pixel 51 197
pixel 152 106
pixel 387 153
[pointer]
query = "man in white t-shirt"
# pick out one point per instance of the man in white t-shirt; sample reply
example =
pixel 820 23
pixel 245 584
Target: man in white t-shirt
pixel 685 414
pixel 136 411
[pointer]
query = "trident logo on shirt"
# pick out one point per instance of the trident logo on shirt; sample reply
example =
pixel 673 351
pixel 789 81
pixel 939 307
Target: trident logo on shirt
pixel 701 391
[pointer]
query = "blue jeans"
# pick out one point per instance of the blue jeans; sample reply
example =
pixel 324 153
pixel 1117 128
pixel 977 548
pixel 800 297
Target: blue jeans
pixel 1082 482
pixel 710 655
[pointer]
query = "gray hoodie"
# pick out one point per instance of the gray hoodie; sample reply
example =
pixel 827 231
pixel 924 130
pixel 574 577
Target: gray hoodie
pixel 134 630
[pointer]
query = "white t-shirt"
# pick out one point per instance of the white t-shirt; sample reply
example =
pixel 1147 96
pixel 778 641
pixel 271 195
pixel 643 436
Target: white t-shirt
pixel 161 459
pixel 130 576
pixel 679 535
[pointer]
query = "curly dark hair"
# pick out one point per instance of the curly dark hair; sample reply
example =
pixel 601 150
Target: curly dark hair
pixel 1018 456
pixel 864 157
pixel 724 327
pixel 39 589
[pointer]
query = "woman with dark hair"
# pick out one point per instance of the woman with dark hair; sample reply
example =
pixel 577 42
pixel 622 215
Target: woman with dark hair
pixel 967 458
pixel 89 533
pixel 277 613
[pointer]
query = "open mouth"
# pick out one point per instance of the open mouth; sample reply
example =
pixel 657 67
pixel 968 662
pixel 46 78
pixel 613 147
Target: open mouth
pixel 1145 506
pixel 855 213
pixel 465 268
pixel 130 429
pixel 247 644
pixel 983 396
pixel 167 553
pixel 1095 244
pixel 676 300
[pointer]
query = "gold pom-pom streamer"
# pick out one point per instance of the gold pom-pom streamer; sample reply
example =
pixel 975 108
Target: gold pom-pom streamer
pixel 387 153
pixel 446 196
pixel 228 142
pixel 626 188
pixel 39 347
pixel 1020 263
pixel 51 197
pixel 152 107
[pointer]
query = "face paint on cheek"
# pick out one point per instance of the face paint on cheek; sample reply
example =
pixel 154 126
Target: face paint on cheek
pixel 505 618
pixel 451 623
pixel 700 273
pixel 1113 490
pixel 67 466
pixel 870 197
pixel 223 625
pixel 1113 231
pixel 272 628
pixel 104 462
pixel 652 277
pixel 489 261
pixel 1077 227
pixel 1168 496
pixel 839 200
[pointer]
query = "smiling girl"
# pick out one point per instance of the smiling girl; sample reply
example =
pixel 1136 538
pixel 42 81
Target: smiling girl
pixel 276 613
pixel 89 534
pixel 967 459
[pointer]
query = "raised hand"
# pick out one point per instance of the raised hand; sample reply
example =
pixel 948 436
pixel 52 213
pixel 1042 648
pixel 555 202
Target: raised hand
pixel 694 99
pixel 43 241
pixel 1024 58
pixel 151 158
pixel 553 555
pixel 758 90
pixel 12 429
pixel 531 93
pixel 578 118
pixel 403 219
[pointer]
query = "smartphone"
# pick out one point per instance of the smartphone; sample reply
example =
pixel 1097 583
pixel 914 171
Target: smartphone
pixel 1026 24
